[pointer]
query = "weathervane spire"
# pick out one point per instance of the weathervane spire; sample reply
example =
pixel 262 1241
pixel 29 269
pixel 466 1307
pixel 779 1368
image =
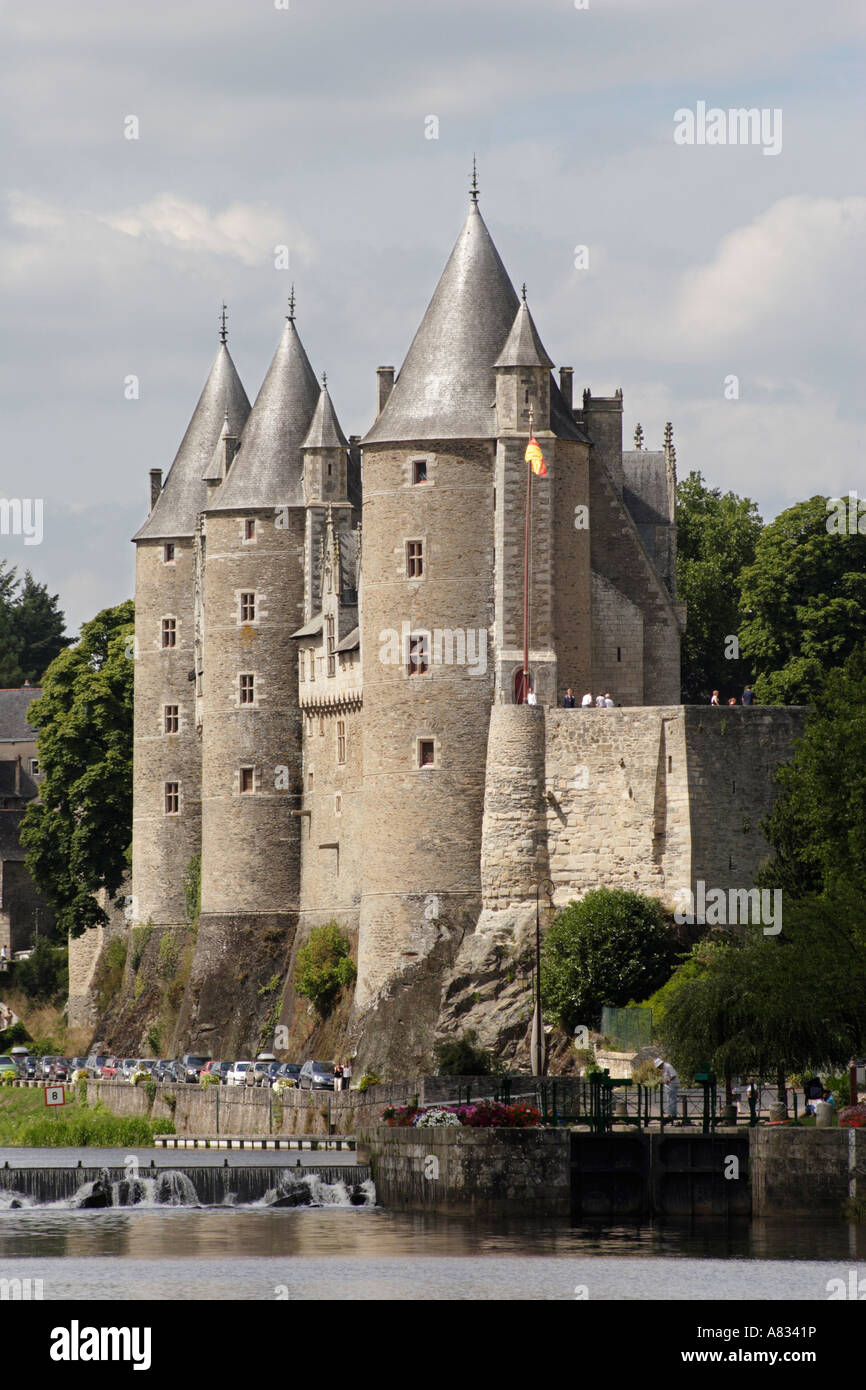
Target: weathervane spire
pixel 291 314
pixel 473 188
pixel 224 333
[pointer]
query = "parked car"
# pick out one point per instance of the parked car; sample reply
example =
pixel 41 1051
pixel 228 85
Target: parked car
pixel 191 1066
pixel 159 1071
pixel 317 1076
pixel 109 1069
pixel 218 1069
pixel 55 1069
pixel 146 1064
pixel 7 1067
pixel 173 1073
pixel 29 1068
pixel 127 1067
pixel 286 1073
pixel 262 1073
pixel 95 1062
pixel 240 1074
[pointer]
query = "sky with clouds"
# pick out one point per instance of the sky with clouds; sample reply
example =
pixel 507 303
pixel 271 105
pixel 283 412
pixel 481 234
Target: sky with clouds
pixel 306 125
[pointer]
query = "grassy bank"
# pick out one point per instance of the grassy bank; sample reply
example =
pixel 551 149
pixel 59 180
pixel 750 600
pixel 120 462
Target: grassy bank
pixel 26 1122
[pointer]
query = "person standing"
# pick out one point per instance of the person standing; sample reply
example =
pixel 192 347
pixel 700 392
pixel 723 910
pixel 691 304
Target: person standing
pixel 599 702
pixel 569 701
pixel 531 697
pixel 608 702
pixel 586 702
pixel 347 1076
pixel 338 1077
pixel 748 696
pixel 714 698
pixel 670 1087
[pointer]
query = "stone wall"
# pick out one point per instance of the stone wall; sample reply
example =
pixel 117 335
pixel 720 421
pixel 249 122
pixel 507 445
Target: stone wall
pixel 525 1172
pixel 806 1172
pixel 84 954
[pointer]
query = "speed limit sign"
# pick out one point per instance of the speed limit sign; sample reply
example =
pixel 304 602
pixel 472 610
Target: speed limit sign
pixel 55 1095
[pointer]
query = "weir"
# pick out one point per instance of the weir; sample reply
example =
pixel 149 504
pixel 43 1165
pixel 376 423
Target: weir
pixel 191 1185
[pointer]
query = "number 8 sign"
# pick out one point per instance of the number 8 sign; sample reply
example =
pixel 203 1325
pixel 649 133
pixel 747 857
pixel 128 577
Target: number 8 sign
pixel 55 1095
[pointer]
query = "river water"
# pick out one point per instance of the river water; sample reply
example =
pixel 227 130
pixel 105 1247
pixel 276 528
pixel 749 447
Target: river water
pixel 338 1251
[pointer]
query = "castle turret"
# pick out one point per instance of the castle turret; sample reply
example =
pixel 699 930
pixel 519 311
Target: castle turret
pixel 167 752
pixel 253 602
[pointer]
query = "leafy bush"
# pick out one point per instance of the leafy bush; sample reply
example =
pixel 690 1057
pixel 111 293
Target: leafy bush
pixel 611 947
pixel 211 1079
pixel 367 1080
pixel 324 967
pixel 45 975
pixel 109 975
pixel 169 955
pixel 461 1057
pixel 192 891
pixel 436 1115
pixel 839 1086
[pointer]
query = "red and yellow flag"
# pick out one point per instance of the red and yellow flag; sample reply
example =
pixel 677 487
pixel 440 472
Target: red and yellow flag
pixel 535 458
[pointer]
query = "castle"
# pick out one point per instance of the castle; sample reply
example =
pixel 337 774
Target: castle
pixel 329 641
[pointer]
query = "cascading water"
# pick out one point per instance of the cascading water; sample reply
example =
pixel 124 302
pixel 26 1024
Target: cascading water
pixel 244 1185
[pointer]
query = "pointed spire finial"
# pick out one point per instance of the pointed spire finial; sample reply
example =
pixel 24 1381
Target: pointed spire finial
pixel 473 188
pixel 524 291
pixel 638 436
pixel 324 380
pixel 224 333
pixel 669 443
pixel 291 314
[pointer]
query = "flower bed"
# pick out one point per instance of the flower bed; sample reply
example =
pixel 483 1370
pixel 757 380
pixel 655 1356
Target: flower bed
pixel 854 1117
pixel 485 1114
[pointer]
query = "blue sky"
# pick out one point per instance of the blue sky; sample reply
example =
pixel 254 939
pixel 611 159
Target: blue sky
pixel 306 127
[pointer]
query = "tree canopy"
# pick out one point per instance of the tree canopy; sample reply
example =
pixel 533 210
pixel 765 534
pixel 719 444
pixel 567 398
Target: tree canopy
pixel 716 538
pixel 804 603
pixel 31 628
pixel 77 835
pixel 611 947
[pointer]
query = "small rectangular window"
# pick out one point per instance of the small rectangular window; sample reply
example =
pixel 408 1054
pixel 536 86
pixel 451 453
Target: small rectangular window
pixel 250 528
pixel 309 781
pixel 426 752
pixel 309 724
pixel 34 767
pixel 619 653
pixel 248 608
pixel 168 553
pixel 418 654
pixel 169 632
pixel 341 740
pixel 338 804
pixel 247 779
pixel 414 559
pixel 419 471
pixel 247 689
pixel 172 798
pixel 171 719
pixel 329 640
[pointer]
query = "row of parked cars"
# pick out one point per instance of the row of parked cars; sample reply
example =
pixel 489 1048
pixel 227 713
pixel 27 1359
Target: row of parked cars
pixel 190 1069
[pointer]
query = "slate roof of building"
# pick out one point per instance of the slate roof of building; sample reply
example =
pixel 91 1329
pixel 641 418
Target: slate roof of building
pixel 350 642
pixel 446 388
pixel 324 431
pixel 267 470
pixel 183 496
pixel 523 347
pixel 14 727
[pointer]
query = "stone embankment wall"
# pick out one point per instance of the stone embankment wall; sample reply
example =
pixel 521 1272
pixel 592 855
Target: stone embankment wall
pixel 806 1172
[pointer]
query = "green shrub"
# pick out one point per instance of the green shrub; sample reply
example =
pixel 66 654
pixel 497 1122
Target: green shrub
pixel 192 891
pixel 839 1086
pixel 324 967
pixel 45 975
pixel 611 947
pixel 169 955
pixel 367 1080
pixel 461 1057
pixel 154 1039
pixel 109 973
pixel 210 1080
pixel 90 1128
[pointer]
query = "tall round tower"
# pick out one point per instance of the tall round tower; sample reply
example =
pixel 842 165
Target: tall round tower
pixel 253 602
pixel 167 750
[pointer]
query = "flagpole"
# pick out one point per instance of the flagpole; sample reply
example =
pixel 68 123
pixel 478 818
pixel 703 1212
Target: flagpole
pixel 526 544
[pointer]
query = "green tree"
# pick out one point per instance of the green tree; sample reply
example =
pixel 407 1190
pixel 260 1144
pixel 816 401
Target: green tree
pixel 804 602
pixel 31 628
pixel 77 834
pixel 463 1057
pixel 45 974
pixel 818 824
pixel 716 537
pixel 610 948
pixel 324 966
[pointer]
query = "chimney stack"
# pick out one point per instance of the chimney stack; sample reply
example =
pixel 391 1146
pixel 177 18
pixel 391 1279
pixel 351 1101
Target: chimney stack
pixel 155 486
pixel 385 377
pixel 566 385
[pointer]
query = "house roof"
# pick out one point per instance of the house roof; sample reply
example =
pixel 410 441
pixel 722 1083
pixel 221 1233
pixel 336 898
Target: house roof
pixel 14 726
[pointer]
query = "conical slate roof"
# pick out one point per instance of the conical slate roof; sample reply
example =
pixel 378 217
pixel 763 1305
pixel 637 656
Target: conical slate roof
pixel 267 470
pixel 183 496
pixel 324 431
pixel 523 347
pixel 446 387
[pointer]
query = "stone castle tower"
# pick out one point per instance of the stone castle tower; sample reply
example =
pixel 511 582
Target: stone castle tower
pixel 316 714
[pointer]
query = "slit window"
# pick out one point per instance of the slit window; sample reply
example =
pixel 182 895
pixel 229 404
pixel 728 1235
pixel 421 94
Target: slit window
pixel 247 780
pixel 341 740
